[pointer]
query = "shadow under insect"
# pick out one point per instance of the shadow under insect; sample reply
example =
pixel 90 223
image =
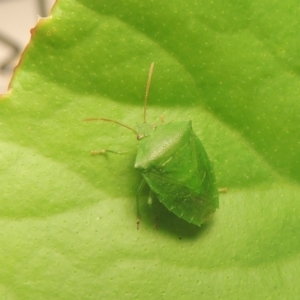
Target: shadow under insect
pixel 153 214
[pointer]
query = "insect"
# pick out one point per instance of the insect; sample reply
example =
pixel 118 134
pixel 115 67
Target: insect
pixel 175 166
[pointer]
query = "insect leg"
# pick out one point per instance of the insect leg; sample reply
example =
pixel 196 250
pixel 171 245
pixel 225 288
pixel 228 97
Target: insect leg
pixel 223 190
pixel 142 185
pixel 150 202
pixel 104 151
pixel 150 198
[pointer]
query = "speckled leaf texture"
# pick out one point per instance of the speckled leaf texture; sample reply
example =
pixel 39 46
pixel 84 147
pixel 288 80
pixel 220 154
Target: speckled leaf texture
pixel 68 219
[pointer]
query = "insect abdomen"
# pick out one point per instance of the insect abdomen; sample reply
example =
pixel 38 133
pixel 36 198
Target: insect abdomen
pixel 193 207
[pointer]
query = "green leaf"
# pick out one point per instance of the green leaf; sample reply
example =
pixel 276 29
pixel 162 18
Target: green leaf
pixel 68 220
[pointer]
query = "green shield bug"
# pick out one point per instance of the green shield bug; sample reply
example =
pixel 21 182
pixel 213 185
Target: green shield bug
pixel 175 166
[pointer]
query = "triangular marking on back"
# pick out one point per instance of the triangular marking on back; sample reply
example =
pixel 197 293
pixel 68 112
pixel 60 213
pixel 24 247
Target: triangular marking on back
pixel 164 177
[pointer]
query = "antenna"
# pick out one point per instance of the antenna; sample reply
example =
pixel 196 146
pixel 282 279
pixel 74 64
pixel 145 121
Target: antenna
pixel 113 121
pixel 147 89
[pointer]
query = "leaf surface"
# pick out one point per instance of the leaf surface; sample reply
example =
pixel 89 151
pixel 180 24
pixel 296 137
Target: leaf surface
pixel 68 219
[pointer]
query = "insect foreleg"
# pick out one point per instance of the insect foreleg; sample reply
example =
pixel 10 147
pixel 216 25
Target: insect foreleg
pixel 223 190
pixel 104 151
